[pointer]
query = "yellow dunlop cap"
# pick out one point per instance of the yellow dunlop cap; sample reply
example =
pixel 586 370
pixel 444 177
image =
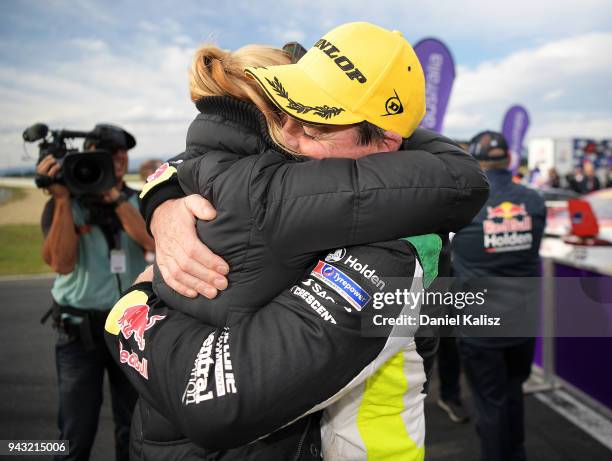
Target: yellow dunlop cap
pixel 356 72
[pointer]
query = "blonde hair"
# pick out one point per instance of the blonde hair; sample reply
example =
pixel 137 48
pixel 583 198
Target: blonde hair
pixel 217 72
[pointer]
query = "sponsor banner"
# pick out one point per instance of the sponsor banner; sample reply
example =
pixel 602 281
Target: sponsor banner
pixel 514 128
pixel 342 284
pixel 439 69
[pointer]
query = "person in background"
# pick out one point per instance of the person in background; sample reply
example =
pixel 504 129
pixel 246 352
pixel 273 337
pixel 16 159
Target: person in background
pixel 146 170
pixel 449 373
pixel 553 178
pixel 519 177
pixel 449 367
pixel 584 179
pixel 148 167
pixel 96 245
pixel 591 182
pixel 609 175
pixel 535 176
pixel 499 252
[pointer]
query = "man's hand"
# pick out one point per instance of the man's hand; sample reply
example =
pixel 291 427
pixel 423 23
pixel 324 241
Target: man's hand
pixel 145 276
pixel 49 167
pixel 111 195
pixel 186 264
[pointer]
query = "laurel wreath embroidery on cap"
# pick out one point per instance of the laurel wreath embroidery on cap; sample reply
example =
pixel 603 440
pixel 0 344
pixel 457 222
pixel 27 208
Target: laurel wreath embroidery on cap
pixel 322 111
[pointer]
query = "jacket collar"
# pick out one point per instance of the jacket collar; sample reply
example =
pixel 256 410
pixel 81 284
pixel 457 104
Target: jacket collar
pixel 247 118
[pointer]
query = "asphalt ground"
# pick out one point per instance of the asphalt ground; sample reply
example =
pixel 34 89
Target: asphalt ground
pixel 28 395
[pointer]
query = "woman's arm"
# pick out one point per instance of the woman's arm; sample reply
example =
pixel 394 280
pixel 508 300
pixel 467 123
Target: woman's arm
pixel 430 186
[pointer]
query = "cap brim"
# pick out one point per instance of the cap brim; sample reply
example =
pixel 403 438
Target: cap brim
pixel 130 140
pixel 294 92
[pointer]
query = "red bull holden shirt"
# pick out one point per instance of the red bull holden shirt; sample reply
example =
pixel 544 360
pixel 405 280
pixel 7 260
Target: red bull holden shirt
pixel 499 253
pixel 504 238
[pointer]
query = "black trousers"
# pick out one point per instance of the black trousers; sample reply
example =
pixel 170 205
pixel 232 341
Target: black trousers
pixel 80 373
pixel 496 376
pixel 449 369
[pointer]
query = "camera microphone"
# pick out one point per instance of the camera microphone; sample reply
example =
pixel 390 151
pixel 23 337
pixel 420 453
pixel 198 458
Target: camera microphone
pixel 35 132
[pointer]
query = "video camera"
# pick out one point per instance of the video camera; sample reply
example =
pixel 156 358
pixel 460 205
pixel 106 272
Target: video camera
pixel 87 172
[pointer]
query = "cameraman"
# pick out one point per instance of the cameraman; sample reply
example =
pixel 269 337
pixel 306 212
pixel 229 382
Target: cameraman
pixel 96 245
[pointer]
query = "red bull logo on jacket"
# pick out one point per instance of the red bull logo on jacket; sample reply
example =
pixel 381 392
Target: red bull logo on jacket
pixel 132 359
pixel 135 321
pixel 507 227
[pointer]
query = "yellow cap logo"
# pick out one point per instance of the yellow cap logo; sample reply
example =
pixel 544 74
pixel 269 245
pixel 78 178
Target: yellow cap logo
pixel 356 72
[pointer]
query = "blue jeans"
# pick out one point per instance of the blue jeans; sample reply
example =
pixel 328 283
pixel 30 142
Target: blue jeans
pixel 80 373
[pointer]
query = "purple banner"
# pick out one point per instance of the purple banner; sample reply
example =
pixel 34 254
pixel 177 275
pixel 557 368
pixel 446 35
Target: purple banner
pixel 514 128
pixel 439 69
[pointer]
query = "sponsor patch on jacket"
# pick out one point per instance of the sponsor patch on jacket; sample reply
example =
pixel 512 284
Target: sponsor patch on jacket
pixel 316 305
pixel 342 284
pixel 197 389
pixel 507 227
pixel 224 374
pixel 132 360
pixel 135 321
pixel 163 173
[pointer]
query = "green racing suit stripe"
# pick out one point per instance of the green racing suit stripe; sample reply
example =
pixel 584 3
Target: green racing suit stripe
pixel 428 248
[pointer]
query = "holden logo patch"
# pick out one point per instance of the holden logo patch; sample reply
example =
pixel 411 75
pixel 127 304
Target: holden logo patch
pixel 336 256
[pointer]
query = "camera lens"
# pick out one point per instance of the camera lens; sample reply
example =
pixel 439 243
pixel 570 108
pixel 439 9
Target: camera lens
pixel 87 171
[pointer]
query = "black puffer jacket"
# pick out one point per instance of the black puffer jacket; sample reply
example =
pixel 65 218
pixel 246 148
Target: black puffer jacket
pixel 275 213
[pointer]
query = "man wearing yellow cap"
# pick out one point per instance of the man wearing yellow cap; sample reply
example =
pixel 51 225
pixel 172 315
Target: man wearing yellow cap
pixel 358 72
pixel 358 84
pixel 359 90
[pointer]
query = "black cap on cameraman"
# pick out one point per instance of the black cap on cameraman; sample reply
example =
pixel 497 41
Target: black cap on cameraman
pixel 109 137
pixel 489 146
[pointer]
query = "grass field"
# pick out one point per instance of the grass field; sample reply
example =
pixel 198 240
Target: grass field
pixel 14 194
pixel 20 250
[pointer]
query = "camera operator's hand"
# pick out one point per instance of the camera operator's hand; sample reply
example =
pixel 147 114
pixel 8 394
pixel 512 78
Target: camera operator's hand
pixel 111 195
pixel 186 264
pixel 49 167
pixel 130 217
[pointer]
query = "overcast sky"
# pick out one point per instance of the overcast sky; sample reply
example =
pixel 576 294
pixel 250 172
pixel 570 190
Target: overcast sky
pixel 73 63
